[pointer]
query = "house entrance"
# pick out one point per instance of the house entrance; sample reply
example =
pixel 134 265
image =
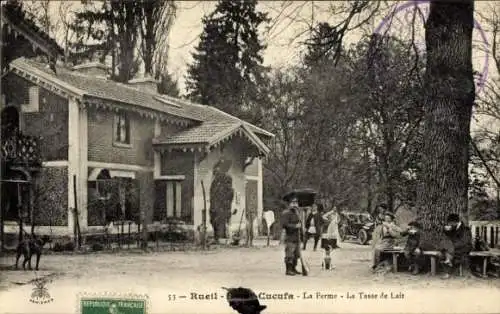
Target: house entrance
pixel 10 121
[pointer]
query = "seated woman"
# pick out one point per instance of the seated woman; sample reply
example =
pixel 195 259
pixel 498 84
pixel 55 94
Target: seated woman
pixel 456 245
pixel 384 237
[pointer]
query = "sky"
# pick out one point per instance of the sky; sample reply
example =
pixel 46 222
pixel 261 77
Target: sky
pixel 289 27
pixel 290 24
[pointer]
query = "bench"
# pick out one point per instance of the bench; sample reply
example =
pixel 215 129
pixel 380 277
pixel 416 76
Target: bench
pixel 434 255
pixel 485 257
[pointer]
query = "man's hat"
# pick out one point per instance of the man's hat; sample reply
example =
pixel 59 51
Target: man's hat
pixel 382 207
pixel 243 296
pixel 389 213
pixel 453 218
pixel 415 224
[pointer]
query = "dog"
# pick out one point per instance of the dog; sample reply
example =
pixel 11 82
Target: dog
pixel 31 246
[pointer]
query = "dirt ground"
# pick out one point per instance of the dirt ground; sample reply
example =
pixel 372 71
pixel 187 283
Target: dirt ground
pixel 167 277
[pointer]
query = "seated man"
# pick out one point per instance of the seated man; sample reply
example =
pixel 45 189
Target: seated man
pixel 413 250
pixel 457 245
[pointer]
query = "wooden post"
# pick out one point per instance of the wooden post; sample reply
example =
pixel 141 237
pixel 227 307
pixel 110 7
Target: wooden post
pixel 128 241
pixel 204 217
pixel 2 235
pixel 31 190
pixel 20 212
pixel 139 234
pixel 268 234
pixel 157 239
pixel 77 234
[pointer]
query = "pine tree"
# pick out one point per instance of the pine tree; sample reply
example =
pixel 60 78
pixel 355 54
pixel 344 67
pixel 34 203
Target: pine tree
pixel 168 85
pixel 130 32
pixel 112 29
pixel 227 71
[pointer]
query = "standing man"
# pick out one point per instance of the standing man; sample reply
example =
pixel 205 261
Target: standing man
pixel 291 235
pixel 314 224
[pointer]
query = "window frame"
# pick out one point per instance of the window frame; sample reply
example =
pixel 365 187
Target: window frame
pixel 122 117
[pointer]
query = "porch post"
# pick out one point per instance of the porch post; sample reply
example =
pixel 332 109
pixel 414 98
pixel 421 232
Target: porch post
pixel 260 193
pixel 73 157
pixel 156 154
pixel 83 170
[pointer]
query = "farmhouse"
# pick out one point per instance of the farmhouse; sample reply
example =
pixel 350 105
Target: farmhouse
pixel 157 149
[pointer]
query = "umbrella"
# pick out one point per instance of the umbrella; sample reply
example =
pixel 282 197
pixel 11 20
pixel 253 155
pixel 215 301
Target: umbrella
pixel 306 196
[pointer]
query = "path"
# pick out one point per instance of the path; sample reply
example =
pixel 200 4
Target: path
pixel 173 274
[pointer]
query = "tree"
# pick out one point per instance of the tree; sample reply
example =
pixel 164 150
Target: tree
pixel 156 20
pixel 448 103
pixel 387 81
pixel 112 29
pixel 221 197
pixel 168 85
pixel 227 70
pixel 130 32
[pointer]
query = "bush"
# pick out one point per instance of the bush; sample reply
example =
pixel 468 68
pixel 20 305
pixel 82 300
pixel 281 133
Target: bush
pixel 97 247
pixel 63 245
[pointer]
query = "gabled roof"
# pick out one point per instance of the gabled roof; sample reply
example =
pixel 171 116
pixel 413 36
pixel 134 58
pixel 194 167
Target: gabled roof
pixel 210 134
pixel 206 124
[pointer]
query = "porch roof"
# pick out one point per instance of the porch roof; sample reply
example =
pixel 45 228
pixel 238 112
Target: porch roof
pixel 211 134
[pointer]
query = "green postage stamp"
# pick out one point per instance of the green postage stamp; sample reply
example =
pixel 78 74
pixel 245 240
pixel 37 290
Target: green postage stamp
pixel 113 304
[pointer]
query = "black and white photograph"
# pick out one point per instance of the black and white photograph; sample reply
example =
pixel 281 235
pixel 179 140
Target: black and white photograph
pixel 245 156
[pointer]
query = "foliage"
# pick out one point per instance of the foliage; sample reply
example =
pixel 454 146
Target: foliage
pixel 221 196
pixel 354 141
pixel 14 46
pixel 168 86
pixel 227 70
pixel 129 32
pixel 113 28
pixel 388 88
pixel 51 197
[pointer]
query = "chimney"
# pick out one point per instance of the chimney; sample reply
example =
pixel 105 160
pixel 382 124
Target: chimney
pixel 145 84
pixel 94 67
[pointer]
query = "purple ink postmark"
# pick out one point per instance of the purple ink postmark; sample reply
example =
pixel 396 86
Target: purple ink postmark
pixel 417 11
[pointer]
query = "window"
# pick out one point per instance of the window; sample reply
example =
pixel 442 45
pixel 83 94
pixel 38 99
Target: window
pixel 173 199
pixel 122 128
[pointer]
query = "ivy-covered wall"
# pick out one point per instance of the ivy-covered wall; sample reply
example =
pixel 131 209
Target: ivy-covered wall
pixel 51 197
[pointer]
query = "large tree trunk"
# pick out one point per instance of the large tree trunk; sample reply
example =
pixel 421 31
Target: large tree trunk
pixel 448 109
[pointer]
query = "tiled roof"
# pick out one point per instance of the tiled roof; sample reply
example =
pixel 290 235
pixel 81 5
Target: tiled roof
pixel 212 114
pixel 214 122
pixel 102 88
pixel 201 134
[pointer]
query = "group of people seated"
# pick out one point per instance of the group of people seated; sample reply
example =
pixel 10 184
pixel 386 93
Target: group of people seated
pixel 454 246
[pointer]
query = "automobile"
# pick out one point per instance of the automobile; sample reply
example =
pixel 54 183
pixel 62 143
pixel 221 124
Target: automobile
pixel 357 225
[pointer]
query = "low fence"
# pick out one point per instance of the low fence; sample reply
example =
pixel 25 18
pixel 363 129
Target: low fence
pixel 120 234
pixel 486 230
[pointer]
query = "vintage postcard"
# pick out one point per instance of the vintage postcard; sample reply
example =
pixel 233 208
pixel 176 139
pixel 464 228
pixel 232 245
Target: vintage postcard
pixel 249 156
